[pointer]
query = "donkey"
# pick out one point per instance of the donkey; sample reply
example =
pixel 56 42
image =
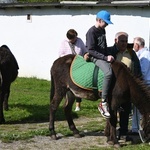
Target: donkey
pixel 8 73
pixel 125 87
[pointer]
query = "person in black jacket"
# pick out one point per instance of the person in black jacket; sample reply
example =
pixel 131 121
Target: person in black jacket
pixel 123 52
pixel 97 48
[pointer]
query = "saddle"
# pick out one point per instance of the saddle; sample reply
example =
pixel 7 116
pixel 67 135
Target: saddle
pixel 85 74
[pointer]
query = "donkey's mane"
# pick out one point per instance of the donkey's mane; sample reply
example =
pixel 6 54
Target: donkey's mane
pixel 136 80
pixel 141 84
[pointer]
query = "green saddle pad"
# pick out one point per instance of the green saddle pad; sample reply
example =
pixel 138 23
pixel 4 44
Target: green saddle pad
pixel 82 74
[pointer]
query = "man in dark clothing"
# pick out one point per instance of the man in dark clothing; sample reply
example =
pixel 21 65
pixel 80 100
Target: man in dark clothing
pixel 122 53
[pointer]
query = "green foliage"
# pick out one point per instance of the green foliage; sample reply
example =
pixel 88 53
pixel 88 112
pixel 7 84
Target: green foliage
pixel 29 100
pixel 29 106
pixel 28 114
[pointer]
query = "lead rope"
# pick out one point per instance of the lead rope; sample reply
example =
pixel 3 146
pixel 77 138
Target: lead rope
pixel 141 137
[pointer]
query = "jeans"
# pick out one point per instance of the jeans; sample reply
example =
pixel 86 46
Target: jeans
pixel 106 68
pixel 136 120
pixel 136 116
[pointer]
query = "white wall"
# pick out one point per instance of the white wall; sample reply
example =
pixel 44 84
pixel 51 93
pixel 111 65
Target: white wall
pixel 36 44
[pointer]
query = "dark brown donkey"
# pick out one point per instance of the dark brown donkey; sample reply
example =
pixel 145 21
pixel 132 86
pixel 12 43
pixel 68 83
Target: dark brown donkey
pixel 8 73
pixel 124 87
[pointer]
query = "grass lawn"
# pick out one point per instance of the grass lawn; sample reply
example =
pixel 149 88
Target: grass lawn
pixel 29 104
pixel 29 107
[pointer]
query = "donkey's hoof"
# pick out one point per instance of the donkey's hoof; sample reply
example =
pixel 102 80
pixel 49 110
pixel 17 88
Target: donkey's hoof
pixel 77 135
pixel 2 121
pixel 6 109
pixel 110 142
pixel 53 137
pixel 117 145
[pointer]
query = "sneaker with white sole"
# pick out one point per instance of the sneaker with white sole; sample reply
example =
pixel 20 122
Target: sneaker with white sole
pixel 102 107
pixel 77 109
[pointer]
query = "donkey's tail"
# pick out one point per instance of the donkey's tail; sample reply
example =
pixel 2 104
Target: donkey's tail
pixel 52 88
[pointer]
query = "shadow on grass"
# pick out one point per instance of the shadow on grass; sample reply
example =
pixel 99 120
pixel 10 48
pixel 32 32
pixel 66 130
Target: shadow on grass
pixel 84 134
pixel 38 114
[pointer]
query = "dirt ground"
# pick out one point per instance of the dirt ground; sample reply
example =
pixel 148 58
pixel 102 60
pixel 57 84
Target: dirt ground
pixel 91 140
pixel 45 143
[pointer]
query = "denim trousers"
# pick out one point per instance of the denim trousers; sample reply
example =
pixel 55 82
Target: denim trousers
pixel 135 120
pixel 137 116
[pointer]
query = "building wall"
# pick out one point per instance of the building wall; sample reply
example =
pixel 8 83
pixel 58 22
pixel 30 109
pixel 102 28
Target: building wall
pixel 35 42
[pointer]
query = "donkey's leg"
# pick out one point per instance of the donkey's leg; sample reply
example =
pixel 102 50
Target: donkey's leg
pixel 53 107
pixel 107 131
pixel 108 125
pixel 70 98
pixel 110 130
pixel 6 93
pixel 113 125
pixel 2 120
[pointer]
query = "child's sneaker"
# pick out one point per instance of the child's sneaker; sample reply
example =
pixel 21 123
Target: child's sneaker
pixel 77 109
pixel 102 107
